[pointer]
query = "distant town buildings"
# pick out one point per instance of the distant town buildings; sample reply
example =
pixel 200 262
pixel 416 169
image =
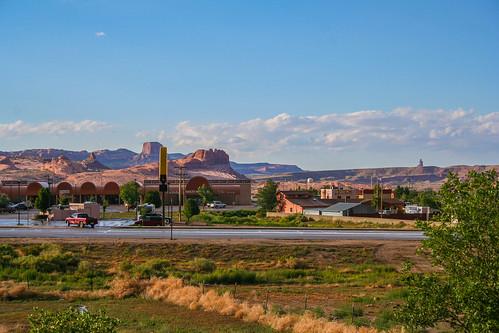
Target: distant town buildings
pixel 338 193
pixel 339 200
pixel 297 201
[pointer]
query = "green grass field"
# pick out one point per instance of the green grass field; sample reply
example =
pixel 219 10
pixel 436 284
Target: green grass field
pixel 135 315
pixel 325 279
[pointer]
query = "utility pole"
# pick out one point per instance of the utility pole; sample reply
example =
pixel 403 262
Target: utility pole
pixel 18 198
pixel 381 195
pixel 163 187
pixel 136 199
pixel 180 171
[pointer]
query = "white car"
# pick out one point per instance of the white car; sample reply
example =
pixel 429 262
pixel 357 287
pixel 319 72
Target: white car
pixel 216 204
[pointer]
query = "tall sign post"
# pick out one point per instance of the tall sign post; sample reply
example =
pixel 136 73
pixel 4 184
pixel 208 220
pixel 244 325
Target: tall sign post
pixel 163 178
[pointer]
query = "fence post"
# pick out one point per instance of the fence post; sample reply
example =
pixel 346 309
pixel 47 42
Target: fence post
pixel 306 301
pixel 353 309
pixel 266 304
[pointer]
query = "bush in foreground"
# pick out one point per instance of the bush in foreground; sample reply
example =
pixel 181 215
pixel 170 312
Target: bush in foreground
pixel 464 244
pixel 71 320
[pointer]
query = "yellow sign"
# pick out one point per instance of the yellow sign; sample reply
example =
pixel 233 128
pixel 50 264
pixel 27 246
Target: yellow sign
pixel 163 163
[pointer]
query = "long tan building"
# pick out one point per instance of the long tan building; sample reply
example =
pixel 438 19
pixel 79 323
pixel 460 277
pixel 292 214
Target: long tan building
pixel 229 191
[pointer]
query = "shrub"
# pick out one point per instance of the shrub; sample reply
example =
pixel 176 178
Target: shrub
pixel 4 200
pixel 239 213
pixel 50 259
pixel 291 262
pixel 7 254
pixel 191 209
pixel 42 201
pixel 206 217
pixel 261 213
pixel 154 267
pixel 347 311
pixel 227 276
pixel 385 320
pixel 153 197
pixel 126 266
pixel 71 320
pixel 319 312
pixel 281 275
pixel 294 219
pixel 202 265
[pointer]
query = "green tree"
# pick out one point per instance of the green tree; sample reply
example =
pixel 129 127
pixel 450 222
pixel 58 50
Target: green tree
pixel 153 197
pixel 4 200
pixel 377 197
pixel 42 200
pixel 191 209
pixel 428 198
pixel 206 194
pixel 64 200
pixel 266 197
pixel 464 245
pixel 71 320
pixel 105 204
pixel 129 194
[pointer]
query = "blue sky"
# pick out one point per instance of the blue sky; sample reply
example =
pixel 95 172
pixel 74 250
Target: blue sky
pixel 264 80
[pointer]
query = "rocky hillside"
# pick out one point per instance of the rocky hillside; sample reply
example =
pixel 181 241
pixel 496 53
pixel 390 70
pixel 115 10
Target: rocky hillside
pixel 212 164
pixel 419 176
pixel 113 159
pixel 124 158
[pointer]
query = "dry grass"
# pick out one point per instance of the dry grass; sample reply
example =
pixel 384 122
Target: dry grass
pixel 11 290
pixel 174 291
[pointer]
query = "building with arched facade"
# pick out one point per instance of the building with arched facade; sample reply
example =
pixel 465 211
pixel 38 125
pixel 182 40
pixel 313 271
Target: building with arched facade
pixel 229 191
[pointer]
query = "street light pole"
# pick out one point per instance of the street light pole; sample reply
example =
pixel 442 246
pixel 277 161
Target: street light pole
pixel 18 197
pixel 136 203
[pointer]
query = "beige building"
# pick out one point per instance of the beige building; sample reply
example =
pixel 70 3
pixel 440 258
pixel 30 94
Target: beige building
pixel 339 193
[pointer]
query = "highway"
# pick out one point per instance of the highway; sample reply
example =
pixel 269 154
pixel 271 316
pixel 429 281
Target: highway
pixel 208 233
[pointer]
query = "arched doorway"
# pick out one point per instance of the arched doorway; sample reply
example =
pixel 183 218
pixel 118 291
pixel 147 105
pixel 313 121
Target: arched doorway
pixel 88 192
pixel 33 189
pixel 195 182
pixel 111 192
pixel 64 190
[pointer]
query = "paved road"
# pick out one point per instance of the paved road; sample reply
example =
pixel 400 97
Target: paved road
pixel 219 233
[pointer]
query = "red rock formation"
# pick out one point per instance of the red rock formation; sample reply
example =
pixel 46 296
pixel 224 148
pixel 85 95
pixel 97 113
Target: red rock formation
pixel 6 164
pixel 62 166
pixel 202 158
pixel 91 164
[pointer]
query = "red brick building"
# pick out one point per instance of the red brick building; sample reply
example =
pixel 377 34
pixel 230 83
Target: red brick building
pixel 293 202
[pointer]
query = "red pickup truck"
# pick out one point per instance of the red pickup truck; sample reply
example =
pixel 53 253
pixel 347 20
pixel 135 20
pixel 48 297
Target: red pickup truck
pixel 81 220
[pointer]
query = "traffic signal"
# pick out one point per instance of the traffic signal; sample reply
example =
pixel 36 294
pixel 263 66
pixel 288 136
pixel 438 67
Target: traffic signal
pixel 163 164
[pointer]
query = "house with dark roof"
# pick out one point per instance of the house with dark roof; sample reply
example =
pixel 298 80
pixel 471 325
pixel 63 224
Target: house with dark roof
pixel 343 209
pixel 293 202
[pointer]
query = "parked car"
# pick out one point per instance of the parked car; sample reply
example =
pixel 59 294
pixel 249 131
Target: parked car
pixel 18 206
pixel 150 219
pixel 216 204
pixel 81 220
pixel 8 209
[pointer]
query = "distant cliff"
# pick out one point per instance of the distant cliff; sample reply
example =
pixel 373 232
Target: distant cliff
pixel 124 158
pixel 253 169
pixel 419 176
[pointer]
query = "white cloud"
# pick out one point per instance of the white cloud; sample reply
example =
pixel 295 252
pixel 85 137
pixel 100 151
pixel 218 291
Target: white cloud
pixel 19 128
pixel 372 130
pixel 100 34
